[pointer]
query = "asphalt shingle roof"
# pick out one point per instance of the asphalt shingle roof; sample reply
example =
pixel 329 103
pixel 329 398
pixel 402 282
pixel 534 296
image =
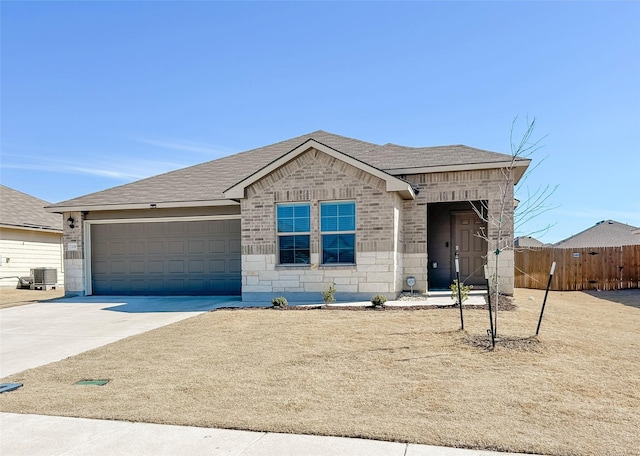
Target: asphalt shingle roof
pixel 607 233
pixel 208 181
pixel 527 241
pixel 25 211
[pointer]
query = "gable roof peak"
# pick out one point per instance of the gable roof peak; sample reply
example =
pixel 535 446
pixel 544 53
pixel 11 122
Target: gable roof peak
pixel 393 184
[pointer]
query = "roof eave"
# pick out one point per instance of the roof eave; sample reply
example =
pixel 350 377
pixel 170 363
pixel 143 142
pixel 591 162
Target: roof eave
pixel 519 166
pixel 43 229
pixel 133 206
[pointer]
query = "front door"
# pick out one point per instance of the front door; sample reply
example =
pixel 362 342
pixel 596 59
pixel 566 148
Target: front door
pixel 472 249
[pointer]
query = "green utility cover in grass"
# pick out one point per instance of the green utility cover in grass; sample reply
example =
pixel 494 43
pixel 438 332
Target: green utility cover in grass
pixel 92 382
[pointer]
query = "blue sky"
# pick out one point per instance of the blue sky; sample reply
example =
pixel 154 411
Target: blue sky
pixel 97 94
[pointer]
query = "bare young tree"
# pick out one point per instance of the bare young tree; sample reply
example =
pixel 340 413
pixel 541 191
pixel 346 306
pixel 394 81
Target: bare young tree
pixel 504 216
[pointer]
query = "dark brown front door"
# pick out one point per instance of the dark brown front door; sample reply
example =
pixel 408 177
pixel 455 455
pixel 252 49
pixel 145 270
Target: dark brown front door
pixel 471 248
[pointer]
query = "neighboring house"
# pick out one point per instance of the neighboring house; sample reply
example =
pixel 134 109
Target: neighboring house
pixel 289 218
pixel 30 237
pixel 607 233
pixel 526 241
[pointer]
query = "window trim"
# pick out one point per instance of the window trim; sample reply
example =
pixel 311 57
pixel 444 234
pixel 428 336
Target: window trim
pixel 323 233
pixel 280 234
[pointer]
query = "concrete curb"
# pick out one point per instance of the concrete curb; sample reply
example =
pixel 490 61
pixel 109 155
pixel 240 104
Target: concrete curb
pixel 34 435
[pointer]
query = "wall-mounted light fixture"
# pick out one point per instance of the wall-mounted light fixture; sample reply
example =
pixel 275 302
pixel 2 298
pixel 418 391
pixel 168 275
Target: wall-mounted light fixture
pixel 71 222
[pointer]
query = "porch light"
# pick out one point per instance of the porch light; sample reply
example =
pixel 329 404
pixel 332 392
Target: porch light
pixel 71 222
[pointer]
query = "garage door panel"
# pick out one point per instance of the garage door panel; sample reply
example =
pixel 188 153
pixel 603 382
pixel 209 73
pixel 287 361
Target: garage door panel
pixel 176 266
pixel 197 285
pixel 100 248
pixel 100 267
pixel 155 229
pixel 196 228
pixel 136 229
pixel 217 246
pixel 138 287
pixel 136 267
pixel 177 286
pixel 118 284
pixel 235 266
pixel 218 285
pixel 117 267
pixel 155 247
pixel 234 246
pixel 176 247
pixel 217 266
pixel 117 248
pixel 101 286
pixel 176 228
pixel 155 267
pixel 196 247
pixel 196 266
pixel 166 258
pixel 119 230
pixel 136 248
pixel 217 226
pixel 235 286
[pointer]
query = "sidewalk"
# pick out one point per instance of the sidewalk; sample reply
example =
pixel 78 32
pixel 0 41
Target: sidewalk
pixel 34 435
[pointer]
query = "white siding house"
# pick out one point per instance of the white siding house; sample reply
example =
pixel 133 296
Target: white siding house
pixel 30 237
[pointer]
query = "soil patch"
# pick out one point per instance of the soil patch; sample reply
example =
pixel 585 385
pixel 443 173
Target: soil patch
pixel 12 297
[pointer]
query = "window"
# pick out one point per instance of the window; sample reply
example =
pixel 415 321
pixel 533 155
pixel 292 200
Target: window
pixel 338 232
pixel 293 233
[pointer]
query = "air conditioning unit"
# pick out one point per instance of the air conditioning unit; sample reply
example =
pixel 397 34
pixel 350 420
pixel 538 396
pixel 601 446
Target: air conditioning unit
pixel 44 278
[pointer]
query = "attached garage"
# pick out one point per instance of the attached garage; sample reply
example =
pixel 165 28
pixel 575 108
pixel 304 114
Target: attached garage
pixel 188 257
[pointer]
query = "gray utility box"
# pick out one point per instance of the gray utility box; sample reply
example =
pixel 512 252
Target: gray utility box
pixel 44 278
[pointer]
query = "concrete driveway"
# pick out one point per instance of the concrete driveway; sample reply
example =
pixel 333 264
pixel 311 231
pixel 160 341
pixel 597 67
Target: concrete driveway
pixel 41 333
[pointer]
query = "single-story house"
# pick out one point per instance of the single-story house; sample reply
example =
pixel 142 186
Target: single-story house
pixel 289 218
pixel 30 237
pixel 606 233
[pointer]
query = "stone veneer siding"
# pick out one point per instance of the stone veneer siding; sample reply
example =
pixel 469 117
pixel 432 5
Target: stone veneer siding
pixel 74 277
pixel 479 185
pixel 314 177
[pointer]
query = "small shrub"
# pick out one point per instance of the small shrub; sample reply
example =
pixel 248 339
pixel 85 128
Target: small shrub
pixel 464 291
pixel 329 293
pixel 279 302
pixel 378 300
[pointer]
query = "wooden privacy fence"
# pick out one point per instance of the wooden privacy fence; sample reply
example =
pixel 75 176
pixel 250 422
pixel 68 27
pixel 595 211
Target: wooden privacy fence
pixel 602 268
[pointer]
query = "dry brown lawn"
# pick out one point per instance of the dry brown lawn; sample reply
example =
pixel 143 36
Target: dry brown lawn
pixel 408 376
pixel 11 297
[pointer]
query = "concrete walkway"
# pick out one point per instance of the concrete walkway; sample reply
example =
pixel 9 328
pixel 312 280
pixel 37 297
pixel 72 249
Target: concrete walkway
pixel 34 435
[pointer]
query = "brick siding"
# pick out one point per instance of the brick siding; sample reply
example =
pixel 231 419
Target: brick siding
pixel 314 177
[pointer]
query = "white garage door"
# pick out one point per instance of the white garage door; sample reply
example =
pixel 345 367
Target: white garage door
pixel 166 258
